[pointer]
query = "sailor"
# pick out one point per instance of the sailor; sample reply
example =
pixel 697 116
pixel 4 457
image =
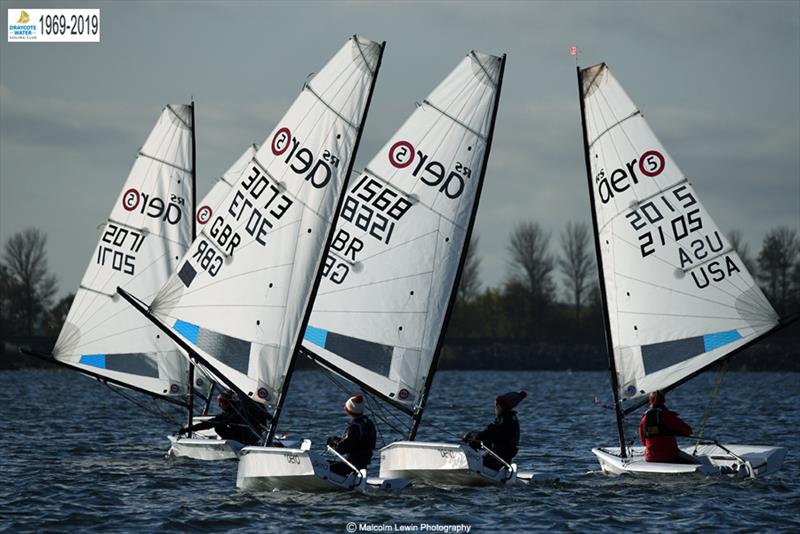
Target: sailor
pixel 658 429
pixel 502 434
pixel 232 421
pixel 357 441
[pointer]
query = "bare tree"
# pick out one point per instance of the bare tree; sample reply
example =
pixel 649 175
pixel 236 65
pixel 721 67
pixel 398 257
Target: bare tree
pixel 576 262
pixel 742 249
pixel 470 283
pixel 531 263
pixel 25 258
pixel 776 262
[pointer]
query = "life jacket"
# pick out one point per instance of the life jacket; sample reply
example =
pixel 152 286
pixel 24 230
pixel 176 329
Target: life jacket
pixel 652 424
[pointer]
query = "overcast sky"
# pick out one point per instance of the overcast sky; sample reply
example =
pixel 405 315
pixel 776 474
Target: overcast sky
pixel 718 82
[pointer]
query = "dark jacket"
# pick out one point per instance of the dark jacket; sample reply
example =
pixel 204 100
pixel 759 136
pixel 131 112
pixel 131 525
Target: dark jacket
pixel 357 442
pixel 501 436
pixel 657 431
pixel 229 424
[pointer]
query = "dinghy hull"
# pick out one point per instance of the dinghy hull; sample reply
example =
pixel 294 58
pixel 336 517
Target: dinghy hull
pixel 445 464
pixel 713 460
pixel 282 468
pixel 203 448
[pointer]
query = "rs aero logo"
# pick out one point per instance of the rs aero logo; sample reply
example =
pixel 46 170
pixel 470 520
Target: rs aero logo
pixel 135 201
pixel 402 154
pixel 301 160
pixel 649 164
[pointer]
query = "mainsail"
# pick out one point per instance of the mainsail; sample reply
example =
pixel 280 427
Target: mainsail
pixel 148 231
pixel 216 196
pixel 241 293
pixel 396 254
pixel 678 296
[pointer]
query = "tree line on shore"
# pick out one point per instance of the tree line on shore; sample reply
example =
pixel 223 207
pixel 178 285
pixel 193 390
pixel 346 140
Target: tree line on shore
pixel 549 294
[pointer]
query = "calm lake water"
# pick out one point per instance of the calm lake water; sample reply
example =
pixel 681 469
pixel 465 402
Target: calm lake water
pixel 78 458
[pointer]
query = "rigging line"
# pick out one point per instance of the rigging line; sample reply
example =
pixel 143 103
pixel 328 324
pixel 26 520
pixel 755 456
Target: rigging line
pixel 483 68
pixel 669 264
pixel 398 245
pixel 363 56
pixel 177 116
pixel 723 366
pixel 630 141
pixel 83 319
pixel 447 134
pixel 245 273
pixel 596 117
pixel 334 111
pixel 634 114
pixel 645 282
pixel 454 119
pixel 377 282
pixel 164 162
pixel 144 407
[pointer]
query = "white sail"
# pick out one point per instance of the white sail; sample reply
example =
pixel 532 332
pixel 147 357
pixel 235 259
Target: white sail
pixel 241 293
pixel 390 271
pixel 214 198
pixel 148 231
pixel 679 297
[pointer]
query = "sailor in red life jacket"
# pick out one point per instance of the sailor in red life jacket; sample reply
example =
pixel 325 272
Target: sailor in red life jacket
pixel 658 429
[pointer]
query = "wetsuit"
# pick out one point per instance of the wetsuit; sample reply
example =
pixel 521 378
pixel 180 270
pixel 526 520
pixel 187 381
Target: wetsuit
pixel 657 431
pixel 356 444
pixel 501 436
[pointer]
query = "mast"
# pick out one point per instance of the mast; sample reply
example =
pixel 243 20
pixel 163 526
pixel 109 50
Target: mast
pixel 612 367
pixel 193 213
pixel 417 416
pixel 304 324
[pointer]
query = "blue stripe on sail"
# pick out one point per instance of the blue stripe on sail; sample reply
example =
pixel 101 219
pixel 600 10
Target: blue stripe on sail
pixel 317 336
pixel 188 330
pixel 715 341
pixel 95 360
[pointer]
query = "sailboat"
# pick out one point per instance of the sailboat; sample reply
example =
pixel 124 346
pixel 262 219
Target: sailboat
pixel 149 229
pixel 391 270
pixel 206 444
pixel 677 298
pixel 240 298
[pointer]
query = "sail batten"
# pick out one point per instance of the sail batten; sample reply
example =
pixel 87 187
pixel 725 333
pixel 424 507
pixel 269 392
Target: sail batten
pixel 677 295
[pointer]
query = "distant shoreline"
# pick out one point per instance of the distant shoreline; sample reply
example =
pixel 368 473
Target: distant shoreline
pixel 776 353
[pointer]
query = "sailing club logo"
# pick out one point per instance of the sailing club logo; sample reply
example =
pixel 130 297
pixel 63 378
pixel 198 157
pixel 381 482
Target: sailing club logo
pixel 204 214
pixel 301 160
pixel 153 206
pixel 401 154
pixel 650 164
pixel 432 173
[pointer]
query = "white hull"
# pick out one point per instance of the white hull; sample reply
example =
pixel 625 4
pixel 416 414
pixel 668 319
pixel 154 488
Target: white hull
pixel 281 468
pixel 203 448
pixel 447 464
pixel 746 461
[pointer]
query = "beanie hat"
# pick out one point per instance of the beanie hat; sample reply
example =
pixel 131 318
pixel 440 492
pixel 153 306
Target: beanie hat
pixel 354 405
pixel 657 398
pixel 511 399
